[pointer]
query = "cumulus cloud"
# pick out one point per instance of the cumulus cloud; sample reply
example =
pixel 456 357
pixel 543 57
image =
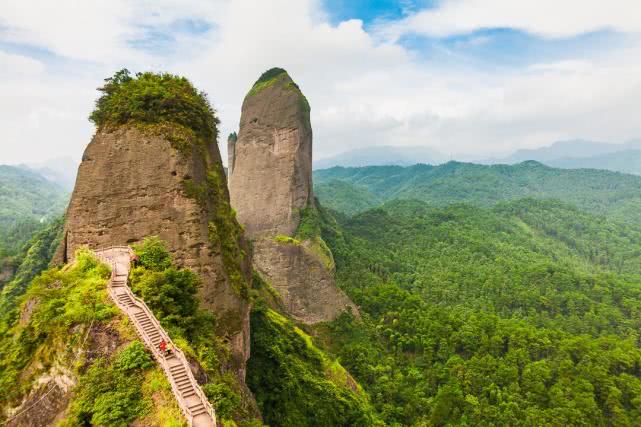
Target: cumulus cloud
pixel 548 18
pixel 363 89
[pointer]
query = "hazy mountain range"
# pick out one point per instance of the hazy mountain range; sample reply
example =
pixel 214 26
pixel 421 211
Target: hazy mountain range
pixel 572 154
pixel 27 195
pixel 572 149
pixel 383 155
pixel 61 171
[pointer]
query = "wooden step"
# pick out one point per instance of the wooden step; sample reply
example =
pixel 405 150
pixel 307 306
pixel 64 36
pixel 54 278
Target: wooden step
pixel 176 369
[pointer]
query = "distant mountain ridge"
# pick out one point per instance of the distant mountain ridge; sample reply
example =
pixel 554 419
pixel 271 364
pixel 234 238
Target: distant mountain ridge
pixel 574 149
pixel 383 155
pixel 626 161
pixel 27 195
pixel 602 192
pixel 61 171
pixel 570 154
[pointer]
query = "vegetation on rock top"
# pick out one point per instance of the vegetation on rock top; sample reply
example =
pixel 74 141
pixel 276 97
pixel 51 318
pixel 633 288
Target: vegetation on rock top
pixel 162 102
pixel 273 75
pixel 267 79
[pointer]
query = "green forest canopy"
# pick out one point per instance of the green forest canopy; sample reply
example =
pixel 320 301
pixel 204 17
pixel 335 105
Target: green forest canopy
pixel 615 194
pixel 526 313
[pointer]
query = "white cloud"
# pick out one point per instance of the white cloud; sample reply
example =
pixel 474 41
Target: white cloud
pixel 26 65
pixel 548 18
pixel 362 92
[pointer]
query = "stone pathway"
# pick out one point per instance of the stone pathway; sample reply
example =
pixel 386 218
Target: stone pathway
pixel 190 397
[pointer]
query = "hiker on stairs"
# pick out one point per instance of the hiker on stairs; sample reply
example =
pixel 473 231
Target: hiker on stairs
pixel 163 346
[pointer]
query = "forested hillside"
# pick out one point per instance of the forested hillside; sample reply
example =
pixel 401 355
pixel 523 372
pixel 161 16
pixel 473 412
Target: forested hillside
pixel 523 313
pixel 28 204
pixel 25 195
pixel 597 191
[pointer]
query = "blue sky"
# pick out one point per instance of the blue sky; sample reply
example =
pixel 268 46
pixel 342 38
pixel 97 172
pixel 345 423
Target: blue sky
pixel 491 47
pixel 372 11
pixel 470 77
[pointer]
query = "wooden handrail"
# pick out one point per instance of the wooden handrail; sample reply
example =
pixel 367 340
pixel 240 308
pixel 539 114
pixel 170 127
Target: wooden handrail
pixel 179 354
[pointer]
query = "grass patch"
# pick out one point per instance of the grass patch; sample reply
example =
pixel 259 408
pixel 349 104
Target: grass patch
pixel 309 231
pixel 165 411
pixel 286 240
pixel 273 76
pixel 267 79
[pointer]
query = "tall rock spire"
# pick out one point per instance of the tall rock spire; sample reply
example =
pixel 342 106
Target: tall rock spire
pixel 157 175
pixel 231 152
pixel 271 190
pixel 272 174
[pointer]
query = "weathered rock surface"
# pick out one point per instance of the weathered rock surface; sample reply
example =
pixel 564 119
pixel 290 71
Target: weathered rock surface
pixel 305 283
pixel 270 179
pixel 131 185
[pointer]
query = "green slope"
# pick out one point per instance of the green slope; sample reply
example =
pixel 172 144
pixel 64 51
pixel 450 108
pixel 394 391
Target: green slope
pixel 27 195
pixel 603 192
pixel 28 204
pixel 524 313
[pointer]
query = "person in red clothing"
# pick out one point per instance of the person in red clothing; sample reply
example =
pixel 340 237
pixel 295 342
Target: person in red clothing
pixel 163 346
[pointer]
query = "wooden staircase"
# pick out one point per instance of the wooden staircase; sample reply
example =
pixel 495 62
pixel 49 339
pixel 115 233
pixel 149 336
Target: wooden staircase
pixel 191 399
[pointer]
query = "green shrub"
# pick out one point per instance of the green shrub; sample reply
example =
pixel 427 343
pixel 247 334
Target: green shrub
pixel 109 394
pixel 155 98
pixel 133 357
pixel 153 254
pixel 273 75
pixel 223 397
pixel 267 79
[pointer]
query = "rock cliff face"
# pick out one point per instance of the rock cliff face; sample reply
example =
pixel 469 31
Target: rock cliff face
pixel 270 179
pixel 132 184
pixel 231 151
